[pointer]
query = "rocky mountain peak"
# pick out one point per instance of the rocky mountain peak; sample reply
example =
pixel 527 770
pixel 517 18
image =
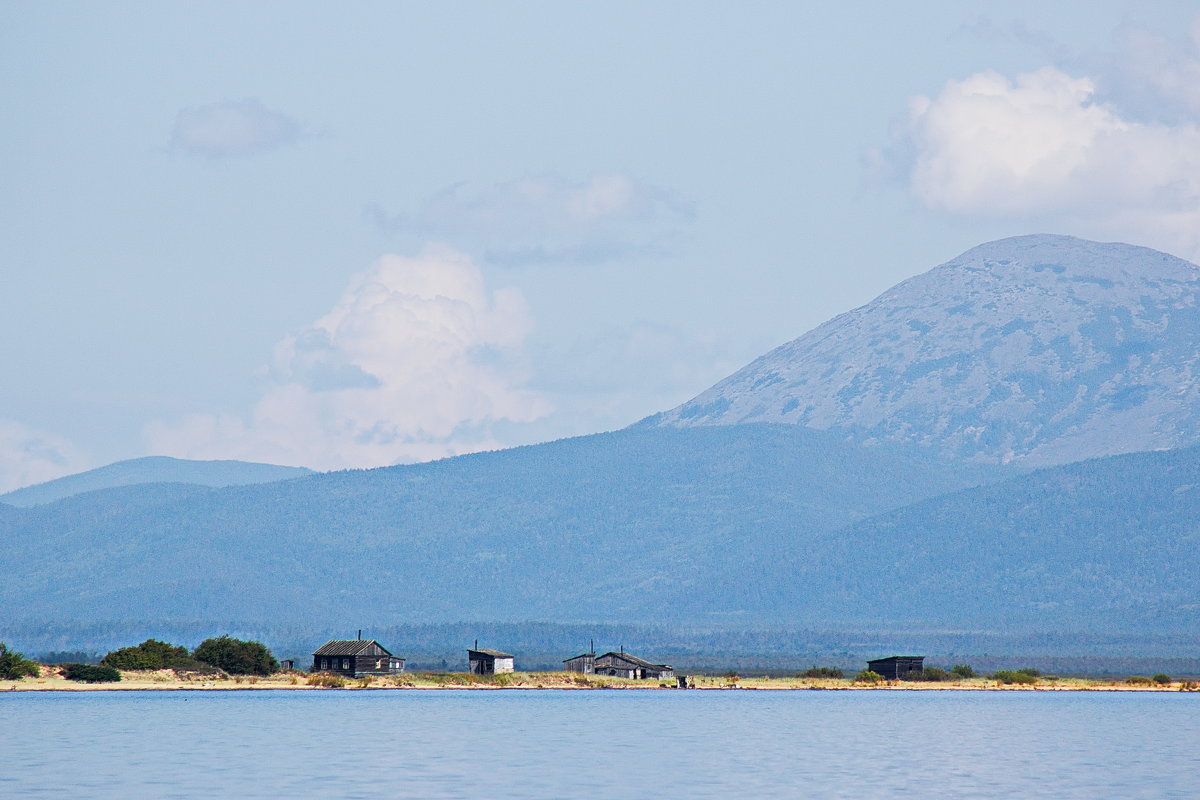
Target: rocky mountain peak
pixel 1039 349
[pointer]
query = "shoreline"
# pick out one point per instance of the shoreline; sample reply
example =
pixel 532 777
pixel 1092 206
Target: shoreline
pixel 168 680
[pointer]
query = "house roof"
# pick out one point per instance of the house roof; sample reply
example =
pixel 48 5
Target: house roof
pixel 492 653
pixel 348 647
pixel 581 655
pixel 634 660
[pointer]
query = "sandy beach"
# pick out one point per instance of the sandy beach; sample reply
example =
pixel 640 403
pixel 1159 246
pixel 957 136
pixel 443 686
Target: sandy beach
pixel 51 680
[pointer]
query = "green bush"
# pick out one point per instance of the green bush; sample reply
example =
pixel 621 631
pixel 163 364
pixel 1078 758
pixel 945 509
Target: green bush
pixel 1008 676
pixel 14 666
pixel 1138 680
pixel 90 673
pixel 236 656
pixel 1162 678
pixel 822 672
pixel 868 676
pixel 935 674
pixel 150 654
pixel 963 670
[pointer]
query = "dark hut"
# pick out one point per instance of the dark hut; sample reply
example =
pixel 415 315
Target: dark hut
pixel 897 668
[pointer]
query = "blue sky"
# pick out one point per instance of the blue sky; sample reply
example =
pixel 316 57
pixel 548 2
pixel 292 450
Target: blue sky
pixel 358 234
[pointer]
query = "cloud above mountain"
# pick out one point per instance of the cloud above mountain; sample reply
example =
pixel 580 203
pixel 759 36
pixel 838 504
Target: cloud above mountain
pixel 1060 149
pixel 29 456
pixel 548 219
pixel 417 360
pixel 232 128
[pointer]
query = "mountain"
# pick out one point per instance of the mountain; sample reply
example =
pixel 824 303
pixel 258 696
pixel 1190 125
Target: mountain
pixel 654 524
pixel 1039 350
pixel 152 469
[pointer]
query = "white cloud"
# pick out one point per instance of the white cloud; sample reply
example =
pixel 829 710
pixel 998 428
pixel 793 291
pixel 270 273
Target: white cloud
pixel 29 456
pixel 1041 147
pixel 548 218
pixel 232 128
pixel 417 360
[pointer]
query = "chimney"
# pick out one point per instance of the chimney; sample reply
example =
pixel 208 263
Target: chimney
pixel 360 634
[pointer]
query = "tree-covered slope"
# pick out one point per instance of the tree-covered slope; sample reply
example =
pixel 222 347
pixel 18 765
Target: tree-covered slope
pixel 1106 544
pixel 644 525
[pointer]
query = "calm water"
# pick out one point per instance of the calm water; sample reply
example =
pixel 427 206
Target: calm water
pixel 547 744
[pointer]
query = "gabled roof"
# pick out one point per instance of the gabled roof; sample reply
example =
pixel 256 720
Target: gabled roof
pixel 581 655
pixel 348 647
pixel 493 653
pixel 634 660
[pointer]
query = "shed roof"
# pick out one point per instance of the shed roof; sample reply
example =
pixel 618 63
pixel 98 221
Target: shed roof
pixel 348 647
pixel 490 653
pixel 634 660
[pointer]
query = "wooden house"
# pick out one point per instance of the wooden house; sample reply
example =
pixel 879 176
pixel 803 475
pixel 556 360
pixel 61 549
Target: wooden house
pixel 489 662
pixel 624 665
pixel 356 658
pixel 585 663
pixel 897 668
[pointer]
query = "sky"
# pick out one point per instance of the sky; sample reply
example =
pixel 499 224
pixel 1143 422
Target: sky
pixel 367 233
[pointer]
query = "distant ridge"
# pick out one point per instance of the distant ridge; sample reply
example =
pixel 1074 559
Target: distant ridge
pixel 1037 349
pixel 152 469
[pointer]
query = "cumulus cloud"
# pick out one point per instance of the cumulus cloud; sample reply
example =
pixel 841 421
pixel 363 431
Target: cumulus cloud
pixel 29 456
pixel 548 218
pixel 417 360
pixel 1043 147
pixel 232 128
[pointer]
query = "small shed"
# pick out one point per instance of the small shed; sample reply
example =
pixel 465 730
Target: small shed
pixel 489 662
pixel 624 665
pixel 897 668
pixel 584 662
pixel 356 658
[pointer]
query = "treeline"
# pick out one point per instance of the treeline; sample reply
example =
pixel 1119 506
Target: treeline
pixel 222 654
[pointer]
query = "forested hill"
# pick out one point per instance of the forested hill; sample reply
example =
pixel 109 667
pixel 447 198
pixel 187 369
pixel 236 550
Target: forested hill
pixel 1106 544
pixel 152 469
pixel 639 525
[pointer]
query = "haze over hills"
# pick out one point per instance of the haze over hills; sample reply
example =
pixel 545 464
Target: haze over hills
pixel 152 469
pixel 1036 349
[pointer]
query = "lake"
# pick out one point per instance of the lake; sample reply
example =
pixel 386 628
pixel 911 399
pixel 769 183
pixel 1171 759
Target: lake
pixel 566 744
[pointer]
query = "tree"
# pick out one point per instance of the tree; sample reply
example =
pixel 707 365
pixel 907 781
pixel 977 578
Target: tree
pixel 150 654
pixel 237 657
pixel 14 666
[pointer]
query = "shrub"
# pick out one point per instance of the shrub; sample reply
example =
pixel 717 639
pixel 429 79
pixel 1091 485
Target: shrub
pixel 963 670
pixel 326 680
pixel 935 674
pixel 868 676
pixel 1162 678
pixel 1008 676
pixel 90 673
pixel 1030 671
pixel 237 657
pixel 822 672
pixel 150 654
pixel 14 666
pixel 1138 680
